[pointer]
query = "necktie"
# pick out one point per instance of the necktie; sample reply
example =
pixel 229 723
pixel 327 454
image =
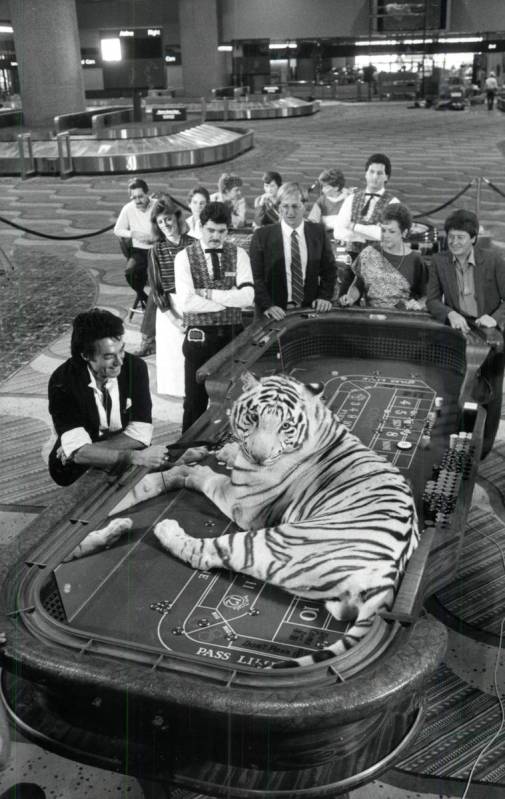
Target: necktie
pixel 366 206
pixel 297 288
pixel 216 266
pixel 107 403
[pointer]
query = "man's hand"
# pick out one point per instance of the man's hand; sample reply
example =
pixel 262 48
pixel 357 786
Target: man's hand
pixel 458 322
pixel 153 457
pixel 322 305
pixel 486 321
pixel 274 312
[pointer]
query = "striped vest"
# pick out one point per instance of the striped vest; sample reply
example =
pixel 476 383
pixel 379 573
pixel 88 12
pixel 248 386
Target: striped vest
pixel 202 280
pixel 358 201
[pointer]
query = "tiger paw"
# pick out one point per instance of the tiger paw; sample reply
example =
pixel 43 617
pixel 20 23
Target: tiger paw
pixel 150 486
pixel 101 539
pixel 171 536
pixel 193 455
pixel 228 453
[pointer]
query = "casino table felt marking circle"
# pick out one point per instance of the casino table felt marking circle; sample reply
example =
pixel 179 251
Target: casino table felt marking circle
pixel 401 407
pixel 225 623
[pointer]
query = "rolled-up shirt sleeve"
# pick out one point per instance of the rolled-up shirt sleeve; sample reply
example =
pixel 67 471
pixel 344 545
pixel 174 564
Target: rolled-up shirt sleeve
pixel 122 227
pixel 243 294
pixel 66 416
pixel 342 229
pixel 140 431
pixel 73 440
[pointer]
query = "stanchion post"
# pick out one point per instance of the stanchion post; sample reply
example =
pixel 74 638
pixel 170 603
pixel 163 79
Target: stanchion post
pixel 226 104
pixel 26 138
pixel 477 197
pixel 64 158
pixel 203 104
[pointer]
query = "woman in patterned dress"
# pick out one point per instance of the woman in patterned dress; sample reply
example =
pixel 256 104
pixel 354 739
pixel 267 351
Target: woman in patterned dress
pixel 391 274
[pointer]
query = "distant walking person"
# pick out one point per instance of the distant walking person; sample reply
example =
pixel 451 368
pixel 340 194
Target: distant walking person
pixel 491 89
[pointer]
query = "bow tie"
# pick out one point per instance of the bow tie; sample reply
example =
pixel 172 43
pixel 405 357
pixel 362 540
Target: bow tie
pixel 368 200
pixel 211 251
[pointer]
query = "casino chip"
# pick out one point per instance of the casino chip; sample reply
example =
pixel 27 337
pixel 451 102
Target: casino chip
pixel 403 445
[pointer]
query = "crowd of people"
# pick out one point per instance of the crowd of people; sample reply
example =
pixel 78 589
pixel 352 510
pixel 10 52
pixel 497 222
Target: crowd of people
pixel 192 282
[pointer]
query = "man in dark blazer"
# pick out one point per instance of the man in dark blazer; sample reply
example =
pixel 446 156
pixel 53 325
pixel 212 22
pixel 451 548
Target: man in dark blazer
pixel 100 403
pixel 466 287
pixel 292 261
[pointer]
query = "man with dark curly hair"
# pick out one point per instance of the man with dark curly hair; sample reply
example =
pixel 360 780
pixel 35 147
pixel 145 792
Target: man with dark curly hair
pixel 358 221
pixel 100 403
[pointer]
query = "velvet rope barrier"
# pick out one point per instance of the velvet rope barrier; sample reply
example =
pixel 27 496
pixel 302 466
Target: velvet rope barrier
pixel 53 237
pixel 449 202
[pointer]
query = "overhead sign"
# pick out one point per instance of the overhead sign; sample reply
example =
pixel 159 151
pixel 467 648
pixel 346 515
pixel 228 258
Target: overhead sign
pixel 167 114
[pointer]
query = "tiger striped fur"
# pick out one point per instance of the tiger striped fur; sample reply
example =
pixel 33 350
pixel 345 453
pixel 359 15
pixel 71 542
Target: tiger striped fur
pixel 324 517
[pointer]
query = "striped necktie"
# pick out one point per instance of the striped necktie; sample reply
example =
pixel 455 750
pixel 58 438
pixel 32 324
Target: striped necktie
pixel 297 288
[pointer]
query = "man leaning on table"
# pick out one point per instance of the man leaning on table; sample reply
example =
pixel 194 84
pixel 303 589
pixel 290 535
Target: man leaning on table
pixel 466 287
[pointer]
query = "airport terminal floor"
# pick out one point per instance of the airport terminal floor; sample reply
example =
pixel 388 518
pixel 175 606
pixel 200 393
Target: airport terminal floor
pixel 434 154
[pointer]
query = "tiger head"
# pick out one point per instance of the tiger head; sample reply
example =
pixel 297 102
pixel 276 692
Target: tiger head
pixel 276 415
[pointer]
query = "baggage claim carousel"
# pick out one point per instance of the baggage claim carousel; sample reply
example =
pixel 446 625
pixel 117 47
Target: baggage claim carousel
pixel 134 148
pixel 109 148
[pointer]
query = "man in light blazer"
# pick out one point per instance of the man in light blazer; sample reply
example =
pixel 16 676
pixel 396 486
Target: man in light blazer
pixel 292 261
pixel 466 287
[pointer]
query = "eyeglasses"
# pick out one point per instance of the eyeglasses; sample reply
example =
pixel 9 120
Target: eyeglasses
pixel 165 220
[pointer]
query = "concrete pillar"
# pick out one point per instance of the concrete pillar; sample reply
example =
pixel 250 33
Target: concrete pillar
pixel 48 53
pixel 203 67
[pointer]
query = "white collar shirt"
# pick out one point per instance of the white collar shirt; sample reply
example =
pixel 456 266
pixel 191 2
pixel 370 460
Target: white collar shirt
pixel 287 231
pixel 112 388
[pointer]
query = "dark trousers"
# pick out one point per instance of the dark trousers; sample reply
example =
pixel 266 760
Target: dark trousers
pixel 196 353
pixel 490 98
pixel 136 272
pixel 491 382
pixel 148 326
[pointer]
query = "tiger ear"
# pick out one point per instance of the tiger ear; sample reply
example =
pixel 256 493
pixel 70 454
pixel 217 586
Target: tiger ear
pixel 248 380
pixel 315 388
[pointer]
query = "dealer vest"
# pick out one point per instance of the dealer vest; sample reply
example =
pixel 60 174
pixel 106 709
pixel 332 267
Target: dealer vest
pixel 202 280
pixel 358 201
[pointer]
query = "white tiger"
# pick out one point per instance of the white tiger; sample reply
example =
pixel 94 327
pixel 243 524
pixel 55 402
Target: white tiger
pixel 323 516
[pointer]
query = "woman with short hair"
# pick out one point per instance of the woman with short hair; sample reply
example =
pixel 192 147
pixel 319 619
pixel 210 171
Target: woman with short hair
pixel 265 206
pixel 390 274
pixel 333 194
pixel 230 193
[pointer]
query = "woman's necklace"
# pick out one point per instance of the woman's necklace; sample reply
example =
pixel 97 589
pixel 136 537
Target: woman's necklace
pixel 402 253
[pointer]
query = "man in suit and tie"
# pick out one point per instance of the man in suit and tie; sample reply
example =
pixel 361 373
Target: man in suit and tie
pixel 292 261
pixel 100 403
pixel 466 287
